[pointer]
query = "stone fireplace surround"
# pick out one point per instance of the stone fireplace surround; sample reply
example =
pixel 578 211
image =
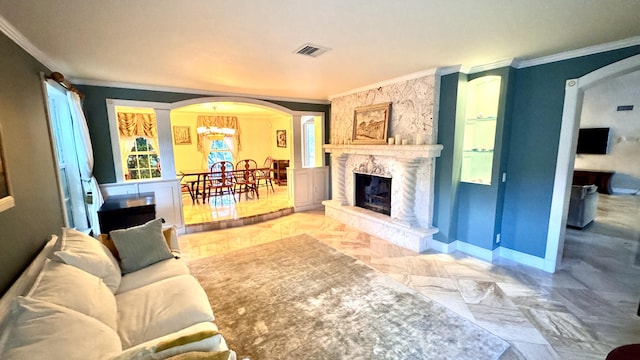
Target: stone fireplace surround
pixel 412 169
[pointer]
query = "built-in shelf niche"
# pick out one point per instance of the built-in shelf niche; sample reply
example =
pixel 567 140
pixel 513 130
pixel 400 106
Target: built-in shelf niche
pixel 483 95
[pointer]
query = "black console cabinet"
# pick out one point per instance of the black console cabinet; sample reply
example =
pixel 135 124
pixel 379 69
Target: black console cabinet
pixel 123 211
pixel 602 179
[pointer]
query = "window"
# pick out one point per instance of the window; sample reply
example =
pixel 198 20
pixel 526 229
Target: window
pixel 138 142
pixel 219 152
pixel 311 128
pixel 308 131
pixel 143 161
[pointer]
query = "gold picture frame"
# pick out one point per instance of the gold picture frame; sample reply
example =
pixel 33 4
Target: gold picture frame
pixel 182 135
pixel 281 138
pixel 371 123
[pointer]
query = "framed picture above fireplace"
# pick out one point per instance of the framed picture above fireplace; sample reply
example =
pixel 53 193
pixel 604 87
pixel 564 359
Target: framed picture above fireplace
pixel 370 124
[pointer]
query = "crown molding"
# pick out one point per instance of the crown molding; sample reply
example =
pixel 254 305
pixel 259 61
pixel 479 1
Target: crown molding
pixel 590 50
pixel 491 66
pixel 412 76
pixel 17 37
pixel 123 85
pixel 447 70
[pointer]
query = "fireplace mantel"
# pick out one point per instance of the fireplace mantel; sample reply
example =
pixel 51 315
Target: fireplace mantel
pixel 402 151
pixel 412 167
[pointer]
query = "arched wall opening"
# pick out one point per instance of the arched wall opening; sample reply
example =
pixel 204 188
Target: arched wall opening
pixel 574 96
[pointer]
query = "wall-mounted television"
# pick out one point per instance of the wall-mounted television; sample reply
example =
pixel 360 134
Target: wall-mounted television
pixel 593 141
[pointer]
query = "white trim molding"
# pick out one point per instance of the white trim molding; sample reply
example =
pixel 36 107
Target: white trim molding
pixel 407 77
pixel 590 50
pixel 477 251
pixel 17 37
pixel 492 255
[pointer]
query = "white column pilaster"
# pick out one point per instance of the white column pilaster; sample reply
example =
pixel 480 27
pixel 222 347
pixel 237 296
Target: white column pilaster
pixel 338 162
pixel 406 214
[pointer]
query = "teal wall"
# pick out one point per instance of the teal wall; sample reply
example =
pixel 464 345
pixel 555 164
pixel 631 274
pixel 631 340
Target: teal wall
pixel 535 132
pixel 466 211
pixel 96 110
pixel 29 161
pixel 480 206
pixel 532 118
pixel 447 178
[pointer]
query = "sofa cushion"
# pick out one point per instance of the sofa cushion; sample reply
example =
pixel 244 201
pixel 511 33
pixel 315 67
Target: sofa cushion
pixel 77 290
pixel 170 235
pixel 39 330
pixel 88 254
pixel 140 246
pixel 203 337
pixel 153 273
pixel 161 308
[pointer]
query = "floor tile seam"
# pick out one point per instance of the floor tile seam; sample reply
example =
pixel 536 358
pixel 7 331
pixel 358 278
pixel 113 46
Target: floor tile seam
pixel 555 327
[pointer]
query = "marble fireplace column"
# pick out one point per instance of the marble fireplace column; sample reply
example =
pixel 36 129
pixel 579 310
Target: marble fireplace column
pixel 406 214
pixel 338 161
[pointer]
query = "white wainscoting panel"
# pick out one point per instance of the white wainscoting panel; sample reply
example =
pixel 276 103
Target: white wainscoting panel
pixel 167 194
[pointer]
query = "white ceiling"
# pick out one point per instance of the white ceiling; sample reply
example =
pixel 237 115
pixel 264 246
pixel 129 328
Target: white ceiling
pixel 247 46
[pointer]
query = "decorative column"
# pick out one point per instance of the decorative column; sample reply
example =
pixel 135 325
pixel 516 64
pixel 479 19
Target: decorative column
pixel 338 161
pixel 406 214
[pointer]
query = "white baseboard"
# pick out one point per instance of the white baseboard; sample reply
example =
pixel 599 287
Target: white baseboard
pixel 491 255
pixel 442 247
pixel 525 259
pixel 477 251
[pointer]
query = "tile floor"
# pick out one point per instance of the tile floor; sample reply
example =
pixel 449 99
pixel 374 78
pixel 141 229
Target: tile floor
pixel 582 311
pixel 225 209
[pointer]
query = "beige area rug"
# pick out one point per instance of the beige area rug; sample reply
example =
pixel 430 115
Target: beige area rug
pixel 298 298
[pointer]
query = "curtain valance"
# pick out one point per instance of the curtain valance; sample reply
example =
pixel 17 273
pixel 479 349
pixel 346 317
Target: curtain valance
pixel 229 122
pixel 137 125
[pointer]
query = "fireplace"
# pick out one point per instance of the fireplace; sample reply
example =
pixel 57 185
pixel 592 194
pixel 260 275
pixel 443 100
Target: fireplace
pixel 406 220
pixel 373 193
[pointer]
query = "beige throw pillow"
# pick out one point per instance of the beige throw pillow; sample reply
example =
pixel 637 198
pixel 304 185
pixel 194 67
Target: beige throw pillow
pixel 141 246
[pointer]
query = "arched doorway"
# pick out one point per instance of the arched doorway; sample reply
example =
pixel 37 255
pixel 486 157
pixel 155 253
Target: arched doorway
pixel 574 95
pixel 306 186
pixel 253 136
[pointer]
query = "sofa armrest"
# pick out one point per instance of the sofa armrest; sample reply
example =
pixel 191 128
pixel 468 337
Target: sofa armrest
pixel 171 235
pixel 25 281
pixel 212 341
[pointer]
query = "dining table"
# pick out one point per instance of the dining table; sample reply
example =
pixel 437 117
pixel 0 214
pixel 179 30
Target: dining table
pixel 193 178
pixel 196 180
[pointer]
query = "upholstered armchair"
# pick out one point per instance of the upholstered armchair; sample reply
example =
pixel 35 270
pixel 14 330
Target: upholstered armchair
pixel 583 205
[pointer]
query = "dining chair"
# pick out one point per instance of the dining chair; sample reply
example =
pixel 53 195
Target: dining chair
pixel 245 178
pixel 265 174
pixel 221 181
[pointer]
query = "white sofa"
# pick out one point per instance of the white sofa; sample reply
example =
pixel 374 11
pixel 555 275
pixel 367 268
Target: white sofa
pixel 73 303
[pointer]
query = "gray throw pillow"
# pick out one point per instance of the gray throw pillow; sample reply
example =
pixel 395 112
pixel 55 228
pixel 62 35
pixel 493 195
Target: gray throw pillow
pixel 140 246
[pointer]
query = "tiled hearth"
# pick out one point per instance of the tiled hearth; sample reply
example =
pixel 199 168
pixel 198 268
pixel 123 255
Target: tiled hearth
pixel 411 168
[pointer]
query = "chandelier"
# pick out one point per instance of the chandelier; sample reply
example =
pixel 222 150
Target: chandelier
pixel 214 131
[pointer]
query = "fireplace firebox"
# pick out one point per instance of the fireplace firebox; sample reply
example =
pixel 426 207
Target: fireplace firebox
pixel 373 193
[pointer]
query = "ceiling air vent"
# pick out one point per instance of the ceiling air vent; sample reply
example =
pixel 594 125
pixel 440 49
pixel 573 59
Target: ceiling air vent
pixel 311 50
